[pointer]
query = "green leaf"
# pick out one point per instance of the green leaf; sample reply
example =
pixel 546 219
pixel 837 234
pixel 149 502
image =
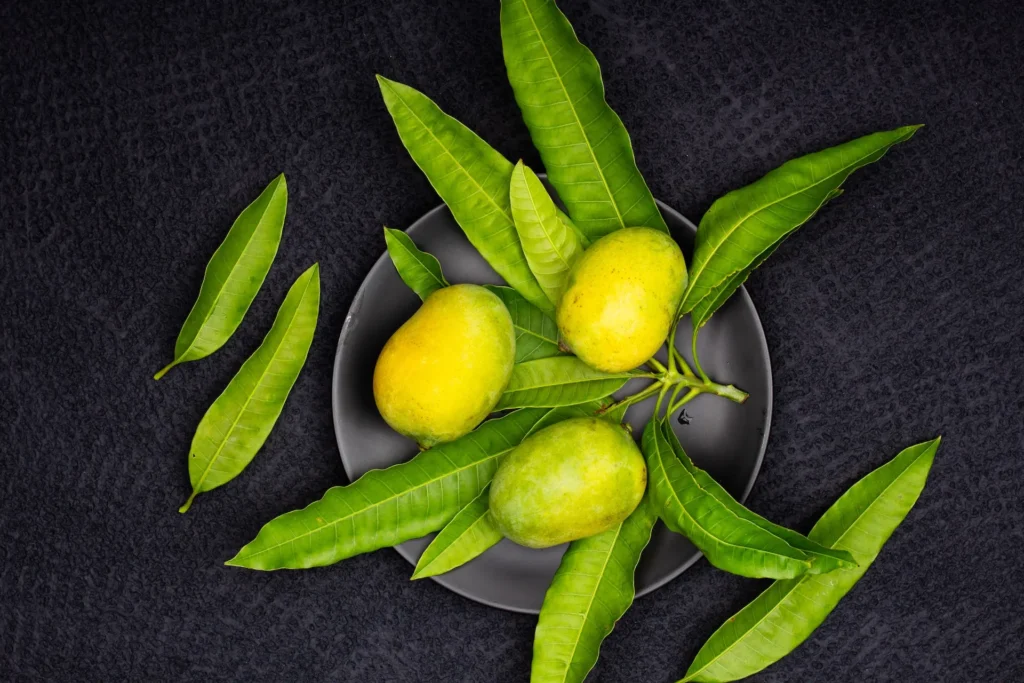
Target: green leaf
pixel 592 589
pixel 551 246
pixel 822 559
pixel 558 381
pixel 783 616
pixel 730 542
pixel 418 269
pixel 240 420
pixel 585 148
pixel 584 240
pixel 536 331
pixel 387 507
pixel 470 176
pixel 469 534
pixel 233 276
pixel 744 227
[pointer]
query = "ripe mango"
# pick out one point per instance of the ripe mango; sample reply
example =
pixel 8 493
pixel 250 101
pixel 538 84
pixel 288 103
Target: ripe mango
pixel 571 480
pixel 444 370
pixel 621 298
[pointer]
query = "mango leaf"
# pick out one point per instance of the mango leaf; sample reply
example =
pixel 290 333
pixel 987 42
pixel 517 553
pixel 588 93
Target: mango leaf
pixel 707 306
pixel 536 331
pixel 418 269
pixel 240 420
pixel 233 276
pixel 730 542
pixel 585 148
pixel 592 589
pixel 390 506
pixel 783 616
pixel 470 176
pixel 564 217
pixel 551 246
pixel 822 559
pixel 469 534
pixel 744 227
pixel 558 381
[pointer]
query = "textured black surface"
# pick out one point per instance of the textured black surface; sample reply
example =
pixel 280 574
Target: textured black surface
pixel 132 134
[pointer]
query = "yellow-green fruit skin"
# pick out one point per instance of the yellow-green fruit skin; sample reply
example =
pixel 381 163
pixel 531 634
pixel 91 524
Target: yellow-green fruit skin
pixel 621 298
pixel 571 480
pixel 444 370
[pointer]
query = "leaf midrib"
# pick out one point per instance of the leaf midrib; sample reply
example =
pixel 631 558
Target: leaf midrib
pixel 724 505
pixel 444 551
pixel 575 115
pixel 538 335
pixel 697 271
pixel 458 470
pixel 540 222
pixel 503 211
pixel 424 262
pixel 590 603
pixel 259 382
pixel 799 581
pixel 512 390
pixel 231 271
pixel 696 523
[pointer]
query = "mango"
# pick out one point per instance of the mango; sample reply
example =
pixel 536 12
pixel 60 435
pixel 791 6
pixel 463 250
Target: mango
pixel 444 370
pixel 571 480
pixel 621 298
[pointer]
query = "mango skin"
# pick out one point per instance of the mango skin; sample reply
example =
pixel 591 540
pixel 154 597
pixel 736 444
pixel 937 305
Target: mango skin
pixel 444 370
pixel 571 480
pixel 621 298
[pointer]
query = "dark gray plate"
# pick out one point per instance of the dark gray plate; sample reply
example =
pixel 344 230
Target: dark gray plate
pixel 724 438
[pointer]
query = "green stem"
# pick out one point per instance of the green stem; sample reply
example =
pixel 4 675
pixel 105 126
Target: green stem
pixel 675 392
pixel 163 370
pixel 656 365
pixel 649 390
pixel 188 503
pixel 682 362
pixel 690 395
pixel 661 397
pixel 696 360
pixel 671 346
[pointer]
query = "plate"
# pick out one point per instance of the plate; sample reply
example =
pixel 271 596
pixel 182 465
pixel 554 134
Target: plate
pixel 726 439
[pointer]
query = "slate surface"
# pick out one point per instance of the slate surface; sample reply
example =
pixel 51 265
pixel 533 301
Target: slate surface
pixel 132 134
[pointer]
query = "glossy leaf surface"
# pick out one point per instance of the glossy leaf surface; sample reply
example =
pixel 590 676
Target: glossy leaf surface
pixel 469 534
pixel 418 269
pixel 240 420
pixel 592 589
pixel 390 506
pixel 822 559
pixel 730 541
pixel 558 381
pixel 783 616
pixel 536 331
pixel 550 244
pixel 585 148
pixel 470 176
pixel 744 227
pixel 233 276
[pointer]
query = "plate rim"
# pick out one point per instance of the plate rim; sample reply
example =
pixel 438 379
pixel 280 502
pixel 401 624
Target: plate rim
pixel 356 305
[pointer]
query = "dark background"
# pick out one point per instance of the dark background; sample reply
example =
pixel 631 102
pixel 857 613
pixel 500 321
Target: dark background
pixel 131 135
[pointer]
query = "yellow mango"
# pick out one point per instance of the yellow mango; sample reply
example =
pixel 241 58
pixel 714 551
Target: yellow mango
pixel 571 480
pixel 444 370
pixel 621 298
